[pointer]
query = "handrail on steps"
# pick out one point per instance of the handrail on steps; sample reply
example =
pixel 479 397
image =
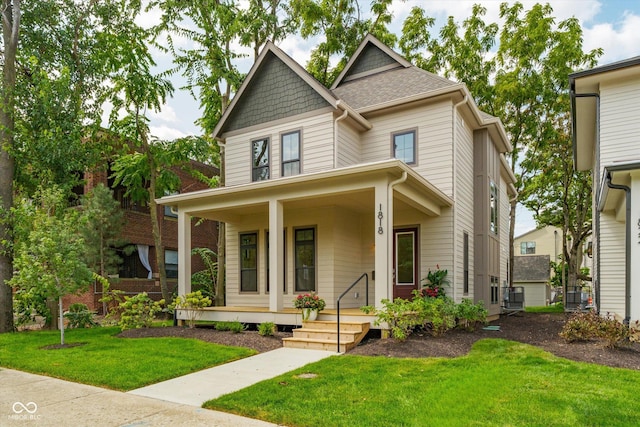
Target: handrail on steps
pixel 366 296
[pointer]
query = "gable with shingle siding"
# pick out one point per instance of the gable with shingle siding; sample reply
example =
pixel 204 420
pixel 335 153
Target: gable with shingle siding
pixel 371 59
pixel 275 92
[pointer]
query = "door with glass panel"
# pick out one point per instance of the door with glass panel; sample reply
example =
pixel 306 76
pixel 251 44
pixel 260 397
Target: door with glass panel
pixel 405 262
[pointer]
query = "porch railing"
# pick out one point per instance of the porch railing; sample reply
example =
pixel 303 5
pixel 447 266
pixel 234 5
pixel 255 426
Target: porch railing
pixel 366 296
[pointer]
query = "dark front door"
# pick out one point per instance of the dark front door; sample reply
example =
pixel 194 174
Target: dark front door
pixel 405 262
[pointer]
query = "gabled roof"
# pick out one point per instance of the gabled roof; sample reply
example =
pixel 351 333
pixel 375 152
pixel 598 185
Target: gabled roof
pixel 534 268
pixel 282 84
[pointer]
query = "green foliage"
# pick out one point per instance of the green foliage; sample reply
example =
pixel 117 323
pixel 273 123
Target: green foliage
pixel 111 300
pixel 587 326
pixel 235 326
pixel 29 303
pixel 401 316
pixel 192 303
pixel 435 283
pixel 440 314
pixel 138 311
pixel 205 280
pixel 79 316
pixel 267 329
pixel 469 315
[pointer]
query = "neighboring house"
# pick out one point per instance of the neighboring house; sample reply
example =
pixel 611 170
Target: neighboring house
pixel 532 273
pixel 391 172
pixel 540 241
pixel 138 271
pixel 606 127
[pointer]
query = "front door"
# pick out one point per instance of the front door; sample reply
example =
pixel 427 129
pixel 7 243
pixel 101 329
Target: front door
pixel 405 262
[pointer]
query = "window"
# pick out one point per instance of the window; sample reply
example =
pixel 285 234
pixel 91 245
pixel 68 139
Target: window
pixel 131 267
pixel 305 247
pixel 284 249
pixel 527 248
pixel 260 159
pixel 171 263
pixel 291 153
pixel 249 262
pixel 495 290
pixel 493 189
pixel 465 261
pixel 404 146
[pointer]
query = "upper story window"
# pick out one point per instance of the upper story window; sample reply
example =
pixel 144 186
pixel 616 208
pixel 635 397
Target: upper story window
pixel 494 214
pixel 171 263
pixel 291 153
pixel 260 159
pixel 527 248
pixel 404 146
pixel 170 211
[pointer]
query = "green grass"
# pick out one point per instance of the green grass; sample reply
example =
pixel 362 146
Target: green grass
pixel 108 361
pixel 554 308
pixel 500 383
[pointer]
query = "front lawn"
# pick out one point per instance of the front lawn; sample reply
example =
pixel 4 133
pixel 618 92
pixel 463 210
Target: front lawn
pixel 500 383
pixel 107 361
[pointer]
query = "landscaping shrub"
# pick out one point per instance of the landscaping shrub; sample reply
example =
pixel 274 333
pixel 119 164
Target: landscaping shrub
pixel 469 315
pixel 192 303
pixel 234 326
pixel 266 329
pixel 79 316
pixel 439 314
pixel 401 316
pixel 586 326
pixel 138 311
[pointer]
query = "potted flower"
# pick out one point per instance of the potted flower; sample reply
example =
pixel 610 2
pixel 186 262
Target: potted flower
pixel 310 304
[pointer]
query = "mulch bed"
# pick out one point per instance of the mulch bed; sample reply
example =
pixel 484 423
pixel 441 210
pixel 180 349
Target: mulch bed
pixel 536 329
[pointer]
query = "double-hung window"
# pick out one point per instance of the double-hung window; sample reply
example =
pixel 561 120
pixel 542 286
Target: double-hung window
pixel 493 204
pixel 305 248
pixel 527 248
pixel 290 153
pixel 404 146
pixel 260 159
pixel 171 263
pixel 249 262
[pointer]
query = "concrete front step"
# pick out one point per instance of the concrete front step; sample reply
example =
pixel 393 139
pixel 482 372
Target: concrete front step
pixel 323 335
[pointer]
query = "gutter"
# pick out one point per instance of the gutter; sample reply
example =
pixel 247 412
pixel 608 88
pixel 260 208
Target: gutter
pixel 335 136
pixel 455 167
pixel 596 170
pixel 627 253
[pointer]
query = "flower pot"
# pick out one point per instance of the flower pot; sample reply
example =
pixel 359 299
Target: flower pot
pixel 309 314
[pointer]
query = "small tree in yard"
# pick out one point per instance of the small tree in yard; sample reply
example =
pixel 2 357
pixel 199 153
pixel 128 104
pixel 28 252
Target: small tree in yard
pixel 50 256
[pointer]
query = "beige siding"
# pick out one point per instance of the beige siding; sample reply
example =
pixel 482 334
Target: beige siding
pixel 547 242
pixel 348 255
pixel 435 152
pixel 464 207
pixel 619 125
pixel 349 148
pixel 612 264
pixel 317 148
pixel 505 208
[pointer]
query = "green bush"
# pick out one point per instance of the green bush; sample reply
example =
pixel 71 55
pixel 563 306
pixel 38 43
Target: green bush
pixel 401 316
pixel 439 314
pixel 586 326
pixel 470 314
pixel 192 303
pixel 266 329
pixel 79 316
pixel 139 311
pixel 234 326
pixel 29 303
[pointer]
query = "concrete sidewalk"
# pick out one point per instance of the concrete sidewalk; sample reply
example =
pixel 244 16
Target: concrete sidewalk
pixel 196 388
pixel 28 399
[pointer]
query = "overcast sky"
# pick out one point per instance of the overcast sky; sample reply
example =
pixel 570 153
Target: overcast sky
pixel 613 25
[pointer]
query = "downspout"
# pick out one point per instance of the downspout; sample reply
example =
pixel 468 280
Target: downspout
pixel 454 177
pixel 335 137
pixel 627 253
pixel 596 176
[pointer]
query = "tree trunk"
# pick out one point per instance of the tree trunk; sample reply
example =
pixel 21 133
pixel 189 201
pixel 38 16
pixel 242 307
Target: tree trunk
pixel 157 233
pixel 61 320
pixel 10 33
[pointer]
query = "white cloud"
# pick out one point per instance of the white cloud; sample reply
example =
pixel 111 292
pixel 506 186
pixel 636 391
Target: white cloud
pixel 166 133
pixel 618 41
pixel 166 114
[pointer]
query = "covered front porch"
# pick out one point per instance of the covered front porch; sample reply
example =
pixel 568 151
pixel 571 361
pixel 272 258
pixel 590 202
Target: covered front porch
pixel 330 228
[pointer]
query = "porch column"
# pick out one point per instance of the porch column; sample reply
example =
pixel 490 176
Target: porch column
pixel 634 228
pixel 184 253
pixel 276 255
pixel 383 231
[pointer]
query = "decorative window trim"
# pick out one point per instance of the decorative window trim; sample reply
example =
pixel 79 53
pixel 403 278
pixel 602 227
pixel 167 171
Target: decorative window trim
pixel 413 131
pixel 284 162
pixel 255 168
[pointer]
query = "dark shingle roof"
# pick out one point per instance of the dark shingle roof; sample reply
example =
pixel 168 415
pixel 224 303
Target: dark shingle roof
pixel 531 268
pixel 389 86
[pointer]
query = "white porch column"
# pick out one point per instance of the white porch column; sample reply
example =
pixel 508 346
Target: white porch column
pixel 634 228
pixel 276 255
pixel 383 230
pixel 184 253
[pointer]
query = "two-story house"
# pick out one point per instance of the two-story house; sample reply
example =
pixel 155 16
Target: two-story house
pixel 605 112
pixel 392 171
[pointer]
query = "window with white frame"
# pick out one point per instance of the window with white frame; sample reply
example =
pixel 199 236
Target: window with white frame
pixel 404 146
pixel 171 263
pixel 260 159
pixel 290 153
pixel 527 248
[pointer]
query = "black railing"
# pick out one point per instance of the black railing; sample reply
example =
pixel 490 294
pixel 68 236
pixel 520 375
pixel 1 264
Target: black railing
pixel 366 296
